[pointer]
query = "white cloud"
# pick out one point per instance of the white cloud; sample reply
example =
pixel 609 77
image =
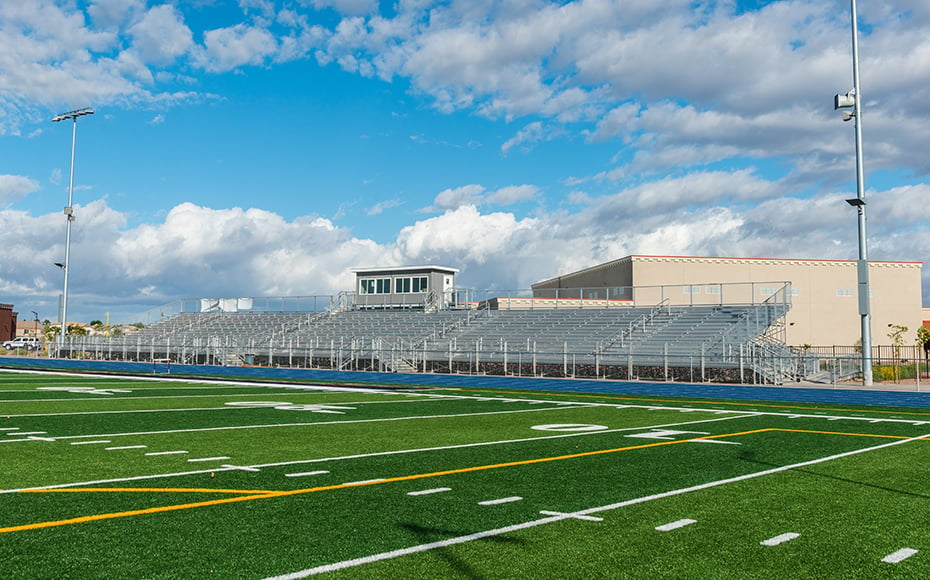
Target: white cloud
pixel 454 198
pixel 474 195
pixel 15 187
pixel 512 194
pixel 378 208
pixel 347 7
pixel 161 36
pixel 531 133
pixel 228 48
pixel 198 251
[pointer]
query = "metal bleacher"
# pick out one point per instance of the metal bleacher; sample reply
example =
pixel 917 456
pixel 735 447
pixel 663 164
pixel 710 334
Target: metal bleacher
pixel 661 334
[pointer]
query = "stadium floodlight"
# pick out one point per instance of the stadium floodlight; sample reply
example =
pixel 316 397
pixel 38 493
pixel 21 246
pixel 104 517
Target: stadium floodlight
pixel 69 212
pixel 853 99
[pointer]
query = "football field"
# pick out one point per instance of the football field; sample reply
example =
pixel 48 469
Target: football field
pixel 107 477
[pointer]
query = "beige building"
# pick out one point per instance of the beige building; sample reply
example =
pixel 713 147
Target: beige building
pixel 823 293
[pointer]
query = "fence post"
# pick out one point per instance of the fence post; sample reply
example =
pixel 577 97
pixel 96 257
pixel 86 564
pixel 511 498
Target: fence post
pixel 565 359
pixel 665 360
pixel 703 377
pixel 742 368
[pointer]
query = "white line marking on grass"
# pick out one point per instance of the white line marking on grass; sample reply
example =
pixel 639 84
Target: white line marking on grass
pixel 568 427
pixel 501 500
pixel 717 441
pixel 120 448
pixel 32 438
pixel 666 434
pixel 552 519
pixel 899 556
pixel 429 491
pixel 780 539
pixel 313 424
pixel 28 433
pixel 240 467
pixel 197 459
pixel 90 442
pixel 572 516
pixel 675 525
pixel 9 428
pixel 306 473
pixel 375 454
pixel 178 452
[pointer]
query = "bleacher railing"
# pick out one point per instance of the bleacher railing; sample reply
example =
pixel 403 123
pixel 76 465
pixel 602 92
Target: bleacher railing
pixel 903 367
pixel 734 293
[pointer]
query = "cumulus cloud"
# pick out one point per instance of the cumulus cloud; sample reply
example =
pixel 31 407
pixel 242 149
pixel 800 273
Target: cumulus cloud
pixel 227 48
pixel 198 251
pixel 347 7
pixel 474 194
pixel 15 187
pixel 161 36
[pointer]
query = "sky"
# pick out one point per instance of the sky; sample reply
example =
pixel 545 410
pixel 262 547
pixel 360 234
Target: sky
pixel 258 148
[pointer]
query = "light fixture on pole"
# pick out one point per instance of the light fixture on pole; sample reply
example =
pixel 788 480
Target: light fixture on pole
pixel 853 99
pixel 36 316
pixel 69 212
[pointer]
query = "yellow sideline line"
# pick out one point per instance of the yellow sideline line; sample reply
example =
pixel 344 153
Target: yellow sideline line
pixel 273 494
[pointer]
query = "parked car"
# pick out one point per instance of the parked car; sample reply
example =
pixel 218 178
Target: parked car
pixel 26 342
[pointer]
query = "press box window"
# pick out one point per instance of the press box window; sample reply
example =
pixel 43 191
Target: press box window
pixel 374 286
pixel 408 285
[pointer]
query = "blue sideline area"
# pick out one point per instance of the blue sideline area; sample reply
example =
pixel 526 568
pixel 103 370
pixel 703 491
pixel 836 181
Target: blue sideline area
pixel 310 376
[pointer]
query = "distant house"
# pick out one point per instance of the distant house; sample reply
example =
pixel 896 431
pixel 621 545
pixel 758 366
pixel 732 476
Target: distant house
pixel 28 328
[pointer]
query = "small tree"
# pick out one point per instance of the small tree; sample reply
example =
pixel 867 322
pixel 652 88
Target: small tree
pixel 923 341
pixel 896 334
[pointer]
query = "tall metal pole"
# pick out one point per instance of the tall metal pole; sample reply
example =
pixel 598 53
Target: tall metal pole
pixel 69 213
pixel 862 265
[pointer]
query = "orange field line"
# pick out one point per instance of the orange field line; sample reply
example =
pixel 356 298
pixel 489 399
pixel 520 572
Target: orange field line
pixel 273 494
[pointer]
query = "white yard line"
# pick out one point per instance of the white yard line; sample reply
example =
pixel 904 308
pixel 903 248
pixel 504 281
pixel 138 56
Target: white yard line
pixel 154 453
pixel 501 500
pixel 675 525
pixel 571 515
pixel 306 473
pixel 429 491
pixel 312 424
pixel 126 447
pixel 552 519
pixel 223 408
pixel 199 459
pixel 780 539
pixel 899 556
pixel 90 442
pixel 365 455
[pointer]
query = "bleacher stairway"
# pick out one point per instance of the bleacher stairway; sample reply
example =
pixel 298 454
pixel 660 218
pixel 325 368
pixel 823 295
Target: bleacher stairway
pixel 403 340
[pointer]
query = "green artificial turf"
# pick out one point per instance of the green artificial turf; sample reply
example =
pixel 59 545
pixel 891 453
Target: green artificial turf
pixel 476 446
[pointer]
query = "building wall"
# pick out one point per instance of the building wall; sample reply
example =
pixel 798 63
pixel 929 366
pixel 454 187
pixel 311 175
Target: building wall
pixel 825 307
pixel 7 322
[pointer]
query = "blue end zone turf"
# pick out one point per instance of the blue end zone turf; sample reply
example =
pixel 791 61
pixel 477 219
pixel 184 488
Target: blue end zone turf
pixel 684 390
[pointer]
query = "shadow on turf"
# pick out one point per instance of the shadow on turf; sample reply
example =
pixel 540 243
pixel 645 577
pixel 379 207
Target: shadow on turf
pixel 427 535
pixel 748 457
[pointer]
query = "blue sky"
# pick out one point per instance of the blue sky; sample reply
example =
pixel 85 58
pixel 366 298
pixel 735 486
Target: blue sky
pixel 267 147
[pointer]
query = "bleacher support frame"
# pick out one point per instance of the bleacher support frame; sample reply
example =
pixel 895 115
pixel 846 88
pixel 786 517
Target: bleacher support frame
pixel 608 339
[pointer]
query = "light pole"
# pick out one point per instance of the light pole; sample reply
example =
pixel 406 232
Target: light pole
pixel 73 115
pixel 854 99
